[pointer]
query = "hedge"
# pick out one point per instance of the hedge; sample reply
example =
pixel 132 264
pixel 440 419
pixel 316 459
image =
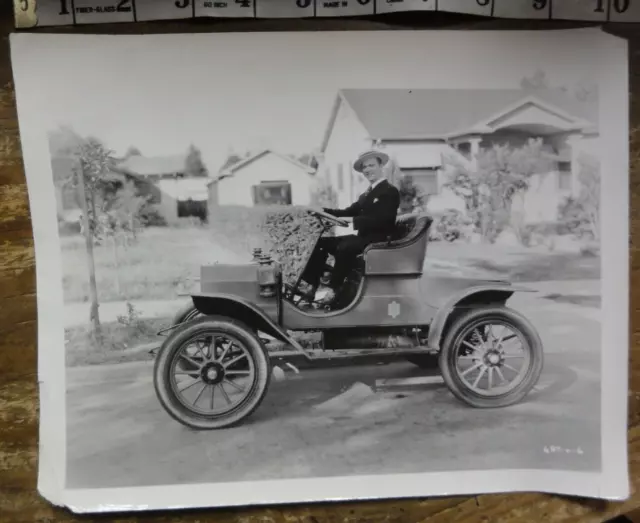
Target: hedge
pixel 287 233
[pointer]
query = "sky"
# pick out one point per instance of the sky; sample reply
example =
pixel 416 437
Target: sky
pixel 161 93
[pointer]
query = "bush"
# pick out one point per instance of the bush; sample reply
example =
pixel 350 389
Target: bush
pixel 286 233
pixel 150 216
pixel 451 225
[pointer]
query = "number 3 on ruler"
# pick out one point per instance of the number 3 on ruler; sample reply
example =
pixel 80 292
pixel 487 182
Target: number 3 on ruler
pixel 619 6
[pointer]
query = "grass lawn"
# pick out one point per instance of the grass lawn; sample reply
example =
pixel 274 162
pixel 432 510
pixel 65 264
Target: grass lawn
pixel 120 342
pixel 157 267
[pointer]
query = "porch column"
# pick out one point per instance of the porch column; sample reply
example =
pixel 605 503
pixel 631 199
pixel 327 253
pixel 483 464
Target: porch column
pixel 475 149
pixel 572 142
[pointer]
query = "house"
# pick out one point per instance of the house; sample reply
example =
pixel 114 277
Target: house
pixel 264 178
pixel 163 178
pixel 424 130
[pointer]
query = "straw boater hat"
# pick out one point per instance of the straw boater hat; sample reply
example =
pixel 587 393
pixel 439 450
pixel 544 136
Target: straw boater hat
pixel 370 154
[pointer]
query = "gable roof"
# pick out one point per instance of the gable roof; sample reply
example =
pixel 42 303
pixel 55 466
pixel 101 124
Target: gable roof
pixel 440 113
pixel 231 169
pixel 155 165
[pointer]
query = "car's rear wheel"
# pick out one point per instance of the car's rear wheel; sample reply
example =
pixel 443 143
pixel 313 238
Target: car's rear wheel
pixel 480 356
pixel 228 375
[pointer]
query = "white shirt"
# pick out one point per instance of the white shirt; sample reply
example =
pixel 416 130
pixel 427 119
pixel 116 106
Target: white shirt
pixel 379 180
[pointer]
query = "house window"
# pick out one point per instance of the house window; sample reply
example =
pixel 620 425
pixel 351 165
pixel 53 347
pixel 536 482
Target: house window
pixel 188 208
pixel 426 179
pixel 340 177
pixel 272 193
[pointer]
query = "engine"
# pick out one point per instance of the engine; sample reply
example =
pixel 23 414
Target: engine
pixel 257 281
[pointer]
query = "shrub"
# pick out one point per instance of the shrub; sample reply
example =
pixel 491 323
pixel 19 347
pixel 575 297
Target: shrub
pixel 286 233
pixel 580 215
pixel 450 225
pixel 150 216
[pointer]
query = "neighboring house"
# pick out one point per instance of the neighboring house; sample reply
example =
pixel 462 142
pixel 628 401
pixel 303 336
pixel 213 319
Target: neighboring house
pixel 163 178
pixel 265 178
pixel 421 128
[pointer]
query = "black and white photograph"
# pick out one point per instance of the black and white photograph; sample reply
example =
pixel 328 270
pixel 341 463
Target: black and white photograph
pixel 321 266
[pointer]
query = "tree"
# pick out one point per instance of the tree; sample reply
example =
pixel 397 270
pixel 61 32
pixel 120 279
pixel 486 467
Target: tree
pixel 324 195
pixel 91 178
pixel 120 220
pixel 194 166
pixel 500 173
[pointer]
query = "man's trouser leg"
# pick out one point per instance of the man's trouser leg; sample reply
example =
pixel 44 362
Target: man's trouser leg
pixel 315 267
pixel 345 255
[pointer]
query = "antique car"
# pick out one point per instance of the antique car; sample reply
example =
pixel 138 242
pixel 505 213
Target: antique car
pixel 215 365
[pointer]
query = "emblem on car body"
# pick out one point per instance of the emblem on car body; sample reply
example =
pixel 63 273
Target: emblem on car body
pixel 394 309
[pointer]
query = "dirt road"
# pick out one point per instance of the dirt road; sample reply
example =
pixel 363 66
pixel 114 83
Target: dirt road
pixel 340 421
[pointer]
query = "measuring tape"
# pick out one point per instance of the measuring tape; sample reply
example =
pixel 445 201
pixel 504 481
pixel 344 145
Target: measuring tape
pixel 42 13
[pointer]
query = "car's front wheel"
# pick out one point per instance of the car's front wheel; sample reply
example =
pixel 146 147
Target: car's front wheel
pixel 228 376
pixel 491 357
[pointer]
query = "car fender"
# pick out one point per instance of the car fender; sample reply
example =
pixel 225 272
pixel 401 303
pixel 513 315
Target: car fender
pixel 470 297
pixel 232 306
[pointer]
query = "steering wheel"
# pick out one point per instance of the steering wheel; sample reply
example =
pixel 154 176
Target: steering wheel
pixel 330 217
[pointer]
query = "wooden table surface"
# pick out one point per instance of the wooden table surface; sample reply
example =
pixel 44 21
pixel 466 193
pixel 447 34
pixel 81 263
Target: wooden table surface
pixel 19 500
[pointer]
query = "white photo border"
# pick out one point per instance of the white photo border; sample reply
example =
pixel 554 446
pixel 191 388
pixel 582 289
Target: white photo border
pixel 611 483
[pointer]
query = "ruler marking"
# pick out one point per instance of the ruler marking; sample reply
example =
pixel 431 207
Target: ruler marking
pixel 587 10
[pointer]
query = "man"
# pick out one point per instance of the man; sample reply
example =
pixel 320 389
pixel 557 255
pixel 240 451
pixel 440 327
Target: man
pixel 374 217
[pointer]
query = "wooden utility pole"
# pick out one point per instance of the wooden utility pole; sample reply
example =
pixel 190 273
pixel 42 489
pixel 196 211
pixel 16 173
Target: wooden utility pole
pixel 88 237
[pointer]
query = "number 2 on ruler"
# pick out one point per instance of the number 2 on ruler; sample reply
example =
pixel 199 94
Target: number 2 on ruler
pixel 619 6
pixel 123 5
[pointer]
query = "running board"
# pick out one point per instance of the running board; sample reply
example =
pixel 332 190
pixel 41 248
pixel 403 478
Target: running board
pixel 350 353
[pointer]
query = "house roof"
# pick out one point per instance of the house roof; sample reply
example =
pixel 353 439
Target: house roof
pixel 229 170
pixel 441 113
pixel 154 165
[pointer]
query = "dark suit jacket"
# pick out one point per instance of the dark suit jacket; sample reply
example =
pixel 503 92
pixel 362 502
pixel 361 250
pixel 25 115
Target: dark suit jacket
pixel 374 214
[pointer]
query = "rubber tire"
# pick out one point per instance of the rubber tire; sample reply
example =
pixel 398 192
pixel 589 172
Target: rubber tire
pixel 424 361
pixel 517 322
pixel 173 342
pixel 186 313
